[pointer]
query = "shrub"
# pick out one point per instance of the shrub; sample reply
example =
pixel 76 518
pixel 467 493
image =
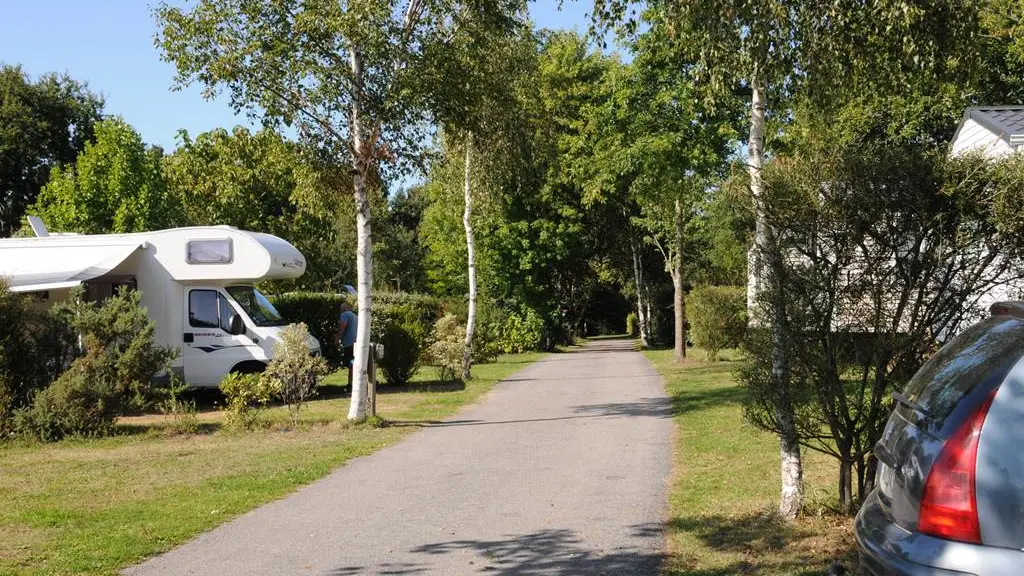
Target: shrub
pixel 181 414
pixel 522 333
pixel 718 317
pixel 83 402
pixel 294 373
pixel 113 374
pixel 19 373
pixel 245 395
pixel 7 409
pixel 490 320
pixel 632 326
pixel 446 347
pixel 403 323
pixel 421 308
pixel 319 312
pixel 404 338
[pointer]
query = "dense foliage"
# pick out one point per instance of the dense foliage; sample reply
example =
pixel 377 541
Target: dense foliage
pixel 115 185
pixel 44 124
pixel 113 372
pixel 719 317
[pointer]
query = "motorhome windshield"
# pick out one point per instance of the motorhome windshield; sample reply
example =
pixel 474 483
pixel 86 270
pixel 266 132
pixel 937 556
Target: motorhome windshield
pixel 256 305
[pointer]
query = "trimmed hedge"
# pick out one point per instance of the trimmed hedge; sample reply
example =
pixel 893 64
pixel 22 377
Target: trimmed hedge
pixel 718 317
pixel 402 322
pixel 320 312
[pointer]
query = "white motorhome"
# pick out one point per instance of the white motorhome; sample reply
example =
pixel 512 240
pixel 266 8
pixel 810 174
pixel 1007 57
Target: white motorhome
pixel 197 284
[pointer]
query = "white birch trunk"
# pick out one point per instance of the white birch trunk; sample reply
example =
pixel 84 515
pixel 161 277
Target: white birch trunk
pixel 676 273
pixel 791 466
pixel 467 355
pixel 641 313
pixel 364 253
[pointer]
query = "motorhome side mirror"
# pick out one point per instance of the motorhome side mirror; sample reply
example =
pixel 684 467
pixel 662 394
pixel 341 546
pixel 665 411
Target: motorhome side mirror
pixel 237 325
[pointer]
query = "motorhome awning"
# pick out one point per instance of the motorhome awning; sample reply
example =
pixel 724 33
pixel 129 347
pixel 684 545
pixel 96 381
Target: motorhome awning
pixel 52 267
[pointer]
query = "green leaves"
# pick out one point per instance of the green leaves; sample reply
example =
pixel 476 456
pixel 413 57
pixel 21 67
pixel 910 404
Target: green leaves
pixel 288 62
pixel 115 185
pixel 43 124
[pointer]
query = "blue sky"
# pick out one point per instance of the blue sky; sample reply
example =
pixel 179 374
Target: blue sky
pixel 109 45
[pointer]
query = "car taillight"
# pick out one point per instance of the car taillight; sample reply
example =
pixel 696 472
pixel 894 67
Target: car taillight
pixel 949 507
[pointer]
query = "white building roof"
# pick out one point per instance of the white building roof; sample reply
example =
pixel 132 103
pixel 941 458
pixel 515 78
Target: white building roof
pixel 993 130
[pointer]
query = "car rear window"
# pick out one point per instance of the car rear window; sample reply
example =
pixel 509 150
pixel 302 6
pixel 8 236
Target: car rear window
pixel 980 356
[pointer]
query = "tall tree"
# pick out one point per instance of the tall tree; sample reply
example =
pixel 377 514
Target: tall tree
pixel 353 77
pixel 730 42
pixel 484 115
pixel 43 124
pixel 778 48
pixel 258 181
pixel 115 185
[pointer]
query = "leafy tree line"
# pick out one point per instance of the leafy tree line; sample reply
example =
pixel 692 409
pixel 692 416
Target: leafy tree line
pixel 850 110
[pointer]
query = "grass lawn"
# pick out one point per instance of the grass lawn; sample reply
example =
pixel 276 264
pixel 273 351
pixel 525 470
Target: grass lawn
pixel 726 486
pixel 94 506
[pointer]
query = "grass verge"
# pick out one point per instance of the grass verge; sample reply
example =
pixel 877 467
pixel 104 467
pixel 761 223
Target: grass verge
pixel 726 486
pixel 94 506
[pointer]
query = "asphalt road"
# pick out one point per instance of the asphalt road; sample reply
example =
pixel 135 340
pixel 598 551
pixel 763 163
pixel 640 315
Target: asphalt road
pixel 561 469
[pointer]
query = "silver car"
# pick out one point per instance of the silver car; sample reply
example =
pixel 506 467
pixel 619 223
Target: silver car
pixel 949 495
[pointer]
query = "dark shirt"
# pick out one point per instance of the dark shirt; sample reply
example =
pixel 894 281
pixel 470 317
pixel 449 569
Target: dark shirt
pixel 348 336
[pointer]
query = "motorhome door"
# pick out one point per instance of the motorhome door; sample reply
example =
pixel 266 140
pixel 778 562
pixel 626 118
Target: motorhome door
pixel 209 349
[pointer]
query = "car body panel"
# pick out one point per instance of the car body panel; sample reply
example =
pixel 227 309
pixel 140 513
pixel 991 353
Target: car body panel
pixel 885 548
pixel 938 400
pixel 1000 466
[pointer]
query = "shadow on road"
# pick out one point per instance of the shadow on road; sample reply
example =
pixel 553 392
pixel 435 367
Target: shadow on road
pixel 655 407
pixel 554 551
pixel 645 407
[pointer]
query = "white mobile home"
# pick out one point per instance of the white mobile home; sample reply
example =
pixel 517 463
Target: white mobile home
pixel 992 131
pixel 197 284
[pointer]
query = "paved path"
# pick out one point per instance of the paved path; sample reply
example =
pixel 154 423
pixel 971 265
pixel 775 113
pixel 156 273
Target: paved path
pixel 561 469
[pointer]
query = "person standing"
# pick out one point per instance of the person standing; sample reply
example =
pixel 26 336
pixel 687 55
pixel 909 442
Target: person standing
pixel 347 328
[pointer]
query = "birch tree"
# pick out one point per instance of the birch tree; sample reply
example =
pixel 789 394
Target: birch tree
pixel 354 79
pixel 481 110
pixel 774 49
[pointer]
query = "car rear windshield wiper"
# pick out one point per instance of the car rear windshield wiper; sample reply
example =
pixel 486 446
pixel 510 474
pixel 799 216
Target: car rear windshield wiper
pixel 911 404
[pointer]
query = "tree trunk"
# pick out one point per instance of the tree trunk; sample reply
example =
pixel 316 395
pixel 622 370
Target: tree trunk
pixel 866 476
pixel 638 277
pixel 467 355
pixel 845 485
pixel 789 446
pixel 679 303
pixel 361 158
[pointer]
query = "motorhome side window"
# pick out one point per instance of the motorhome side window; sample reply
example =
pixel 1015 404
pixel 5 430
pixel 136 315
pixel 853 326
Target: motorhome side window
pixel 209 309
pixel 209 251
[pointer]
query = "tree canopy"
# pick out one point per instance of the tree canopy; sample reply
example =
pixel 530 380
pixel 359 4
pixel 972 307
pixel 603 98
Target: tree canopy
pixel 43 124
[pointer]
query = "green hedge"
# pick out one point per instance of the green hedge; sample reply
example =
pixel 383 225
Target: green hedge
pixel 402 322
pixel 320 312
pixel 718 317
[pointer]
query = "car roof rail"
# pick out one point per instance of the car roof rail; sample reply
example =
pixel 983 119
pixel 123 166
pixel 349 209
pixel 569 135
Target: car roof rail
pixel 1008 308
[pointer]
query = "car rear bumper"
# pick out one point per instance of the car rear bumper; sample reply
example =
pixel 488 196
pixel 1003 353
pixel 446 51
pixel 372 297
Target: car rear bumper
pixel 886 548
